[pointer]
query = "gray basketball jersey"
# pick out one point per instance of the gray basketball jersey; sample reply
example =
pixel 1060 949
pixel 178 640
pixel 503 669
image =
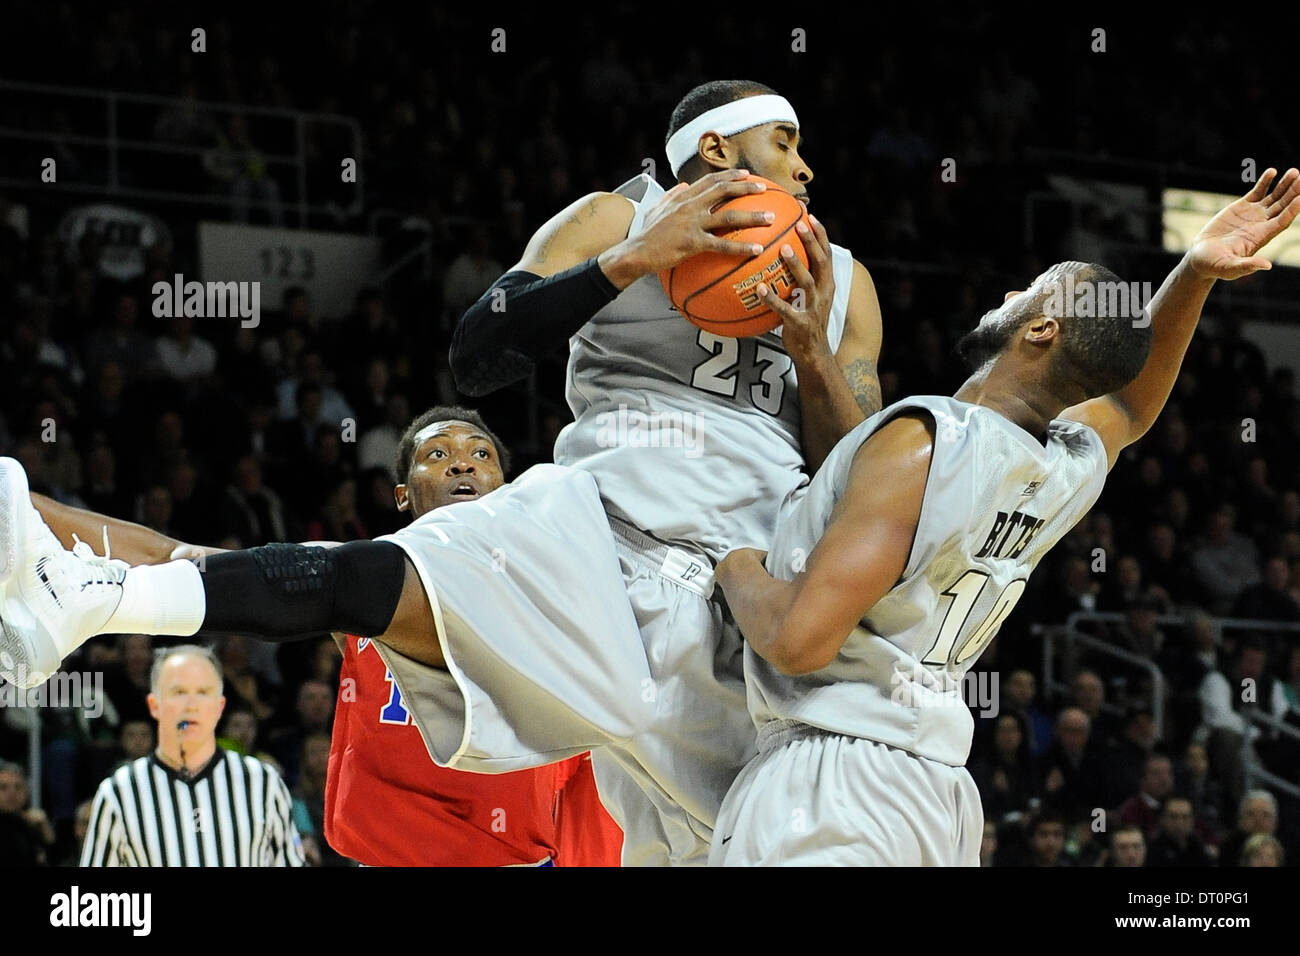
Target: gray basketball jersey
pixel 995 502
pixel 691 436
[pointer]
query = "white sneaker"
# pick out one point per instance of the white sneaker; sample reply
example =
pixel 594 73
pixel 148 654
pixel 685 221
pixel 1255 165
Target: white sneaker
pixel 52 598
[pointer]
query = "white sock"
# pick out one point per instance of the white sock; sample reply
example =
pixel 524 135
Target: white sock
pixel 160 599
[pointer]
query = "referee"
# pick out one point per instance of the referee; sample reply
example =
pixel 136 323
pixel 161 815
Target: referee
pixel 191 803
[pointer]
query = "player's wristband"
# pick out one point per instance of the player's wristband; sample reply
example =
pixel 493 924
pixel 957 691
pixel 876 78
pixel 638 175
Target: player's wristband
pixel 498 339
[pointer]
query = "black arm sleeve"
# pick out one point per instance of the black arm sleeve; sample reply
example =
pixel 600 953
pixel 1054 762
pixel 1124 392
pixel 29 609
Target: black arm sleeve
pixel 499 338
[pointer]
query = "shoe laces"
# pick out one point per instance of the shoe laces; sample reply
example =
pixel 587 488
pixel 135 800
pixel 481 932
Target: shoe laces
pixel 105 569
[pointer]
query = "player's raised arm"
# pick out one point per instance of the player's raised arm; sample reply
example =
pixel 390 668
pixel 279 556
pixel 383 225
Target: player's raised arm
pixel 1227 248
pixel 578 262
pixel 799 626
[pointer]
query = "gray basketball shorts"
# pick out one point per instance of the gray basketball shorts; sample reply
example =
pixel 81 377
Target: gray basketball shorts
pixel 812 798
pixel 563 631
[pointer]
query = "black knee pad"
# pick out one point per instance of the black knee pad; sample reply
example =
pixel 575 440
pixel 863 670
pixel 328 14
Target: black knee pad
pixel 292 569
pixel 286 591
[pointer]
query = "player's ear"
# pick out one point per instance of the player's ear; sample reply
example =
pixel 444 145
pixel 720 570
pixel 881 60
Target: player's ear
pixel 1043 329
pixel 716 153
pixel 399 495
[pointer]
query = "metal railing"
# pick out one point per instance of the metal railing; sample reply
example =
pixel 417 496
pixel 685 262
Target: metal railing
pixel 1255 772
pixel 1071 635
pixel 34 775
pixel 119 172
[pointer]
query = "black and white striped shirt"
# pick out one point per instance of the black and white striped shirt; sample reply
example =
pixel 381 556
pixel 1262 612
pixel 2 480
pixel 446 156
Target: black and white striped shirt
pixel 236 811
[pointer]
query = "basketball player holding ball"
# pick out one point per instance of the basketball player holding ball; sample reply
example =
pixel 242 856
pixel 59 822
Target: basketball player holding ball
pixel 572 609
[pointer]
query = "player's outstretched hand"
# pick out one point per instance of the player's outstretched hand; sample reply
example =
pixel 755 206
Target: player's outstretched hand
pixel 683 222
pixel 1228 246
pixel 805 315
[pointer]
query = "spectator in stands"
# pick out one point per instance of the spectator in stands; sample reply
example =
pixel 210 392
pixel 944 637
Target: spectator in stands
pixel 1125 587
pixel 1142 810
pixel 339 519
pixel 242 167
pixel 314 711
pixel 897 141
pixel 371 396
pixel 1078 589
pixel 291 442
pixel 183 356
pixel 1291 686
pixel 195 515
pixel 1140 633
pixel 100 491
pixel 49 453
pixel 121 341
pixel 1262 850
pixel 1284 521
pixel 239 731
pixel 1088 693
pixel 1127 847
pixel 1225 563
pixel 1075 773
pixel 1162 563
pixel 1007 777
pixel 107 413
pixel 252 512
pixel 154 510
pixel 309 800
pixel 80 824
pixel 1047 840
pixel 469 276
pixel 1270 599
pixel 1175 843
pixel 1256 498
pixel 311 370
pixel 1256 816
pixel 1206 793
pixel 375 325
pixel 378 446
pixel 246 689
pixel 1127 758
pixel 127 682
pixel 1020 695
pixel 25 832
pixel 135 740
pixel 1229 701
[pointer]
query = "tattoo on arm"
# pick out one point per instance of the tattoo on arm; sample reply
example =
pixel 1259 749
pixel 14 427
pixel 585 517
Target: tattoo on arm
pixel 573 219
pixel 865 385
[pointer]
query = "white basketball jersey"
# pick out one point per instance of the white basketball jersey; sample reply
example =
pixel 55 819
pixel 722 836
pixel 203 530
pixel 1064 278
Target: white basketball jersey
pixel 691 436
pixel 996 500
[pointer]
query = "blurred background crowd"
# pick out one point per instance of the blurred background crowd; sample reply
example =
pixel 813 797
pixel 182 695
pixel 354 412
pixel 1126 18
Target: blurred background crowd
pixel 218 434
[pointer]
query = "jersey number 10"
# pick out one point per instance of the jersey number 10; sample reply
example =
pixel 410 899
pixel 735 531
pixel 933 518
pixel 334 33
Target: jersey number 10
pixel 964 593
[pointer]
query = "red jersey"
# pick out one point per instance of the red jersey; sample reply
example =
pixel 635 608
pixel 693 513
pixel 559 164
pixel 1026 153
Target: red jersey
pixel 587 834
pixel 388 804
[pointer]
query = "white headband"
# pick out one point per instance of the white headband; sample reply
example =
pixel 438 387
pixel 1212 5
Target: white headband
pixel 431 429
pixel 734 117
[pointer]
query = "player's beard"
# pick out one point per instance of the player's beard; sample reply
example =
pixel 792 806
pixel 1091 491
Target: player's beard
pixel 987 339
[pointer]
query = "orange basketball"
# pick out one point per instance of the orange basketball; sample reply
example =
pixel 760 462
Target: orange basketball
pixel 718 292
